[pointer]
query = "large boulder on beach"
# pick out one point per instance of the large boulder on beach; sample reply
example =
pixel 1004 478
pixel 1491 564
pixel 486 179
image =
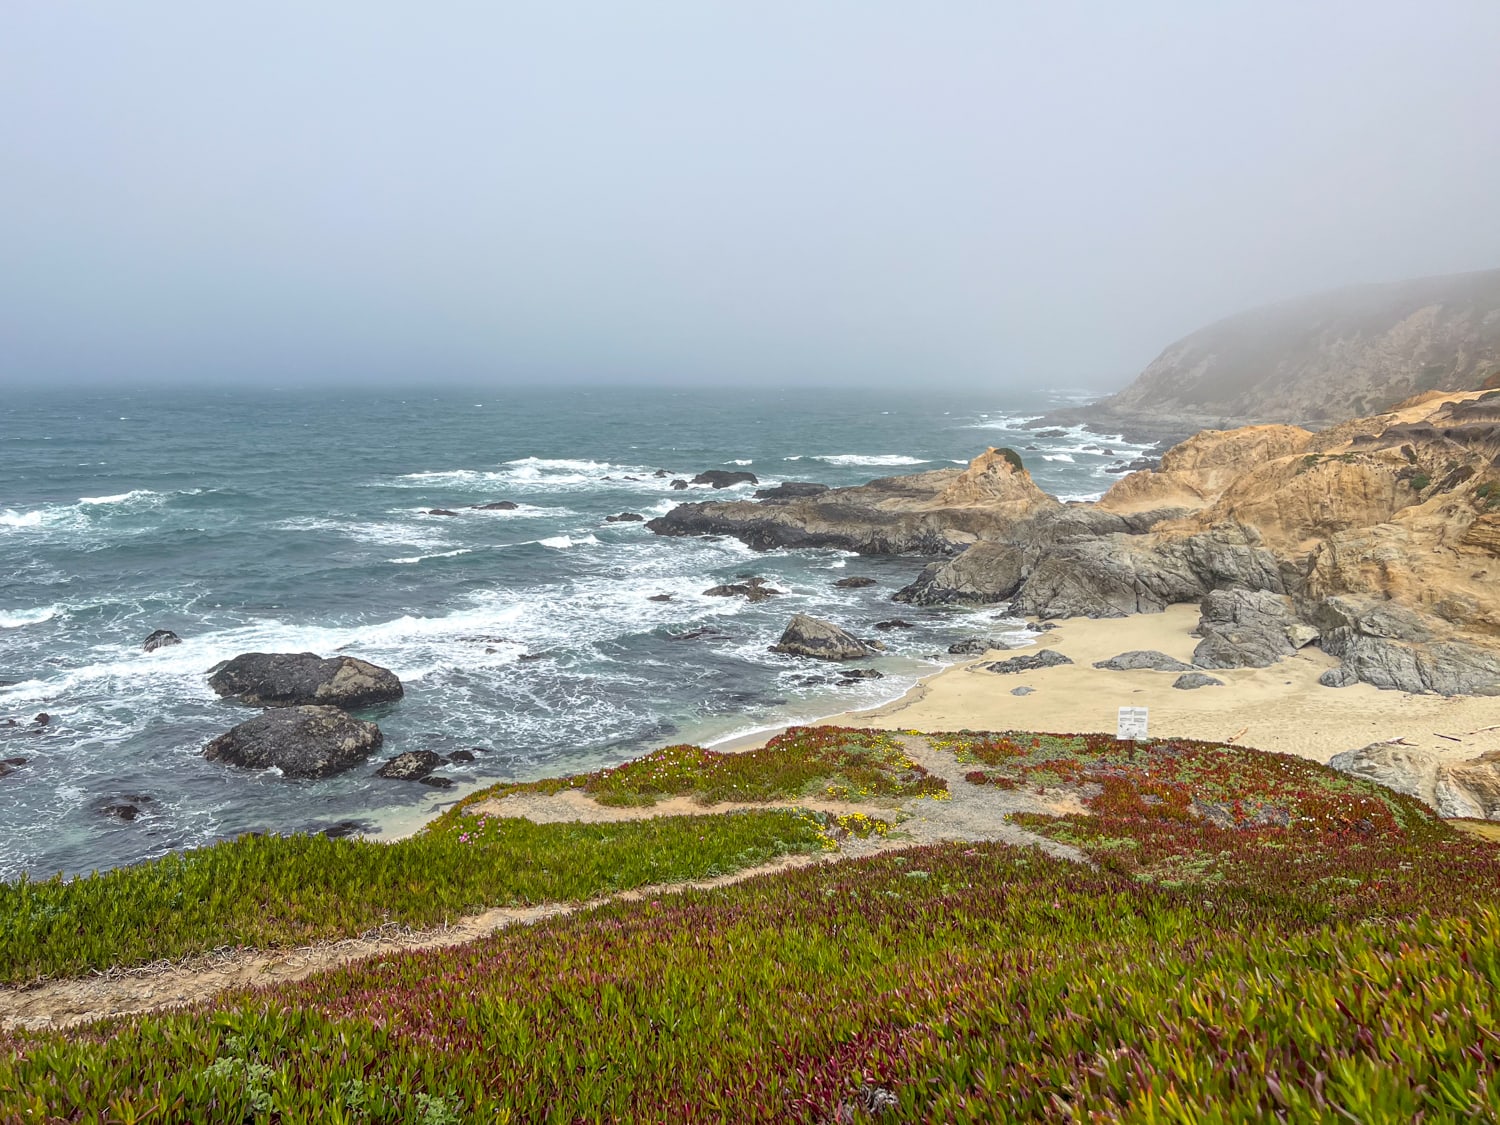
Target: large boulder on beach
pixel 1030 662
pixel 985 573
pixel 299 741
pixel 292 679
pixel 822 640
pixel 1396 649
pixel 1245 629
pixel 1143 660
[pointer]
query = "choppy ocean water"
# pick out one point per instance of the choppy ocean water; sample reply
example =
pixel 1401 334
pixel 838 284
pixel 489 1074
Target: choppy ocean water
pixel 292 521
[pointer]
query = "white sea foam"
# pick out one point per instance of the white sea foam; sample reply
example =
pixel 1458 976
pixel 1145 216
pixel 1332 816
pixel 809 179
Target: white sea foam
pixel 134 494
pixel 1068 457
pixel 876 459
pixel 18 618
pixel 563 542
pixel 741 461
pixel 439 555
pixel 12 518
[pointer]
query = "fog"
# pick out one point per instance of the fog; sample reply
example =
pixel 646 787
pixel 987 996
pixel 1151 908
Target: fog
pixel 799 192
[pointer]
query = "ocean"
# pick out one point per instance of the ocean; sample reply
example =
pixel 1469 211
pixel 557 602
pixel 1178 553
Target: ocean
pixel 282 520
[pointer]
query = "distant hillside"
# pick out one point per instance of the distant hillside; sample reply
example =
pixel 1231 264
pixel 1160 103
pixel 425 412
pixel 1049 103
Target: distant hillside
pixel 1322 359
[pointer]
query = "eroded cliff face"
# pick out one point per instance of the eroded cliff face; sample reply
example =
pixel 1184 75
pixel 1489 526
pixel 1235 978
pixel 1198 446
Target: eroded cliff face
pixel 1322 359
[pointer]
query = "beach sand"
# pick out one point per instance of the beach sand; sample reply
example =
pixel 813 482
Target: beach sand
pixel 1281 708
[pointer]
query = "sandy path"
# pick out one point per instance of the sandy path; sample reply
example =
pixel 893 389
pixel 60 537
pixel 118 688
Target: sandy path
pixel 971 813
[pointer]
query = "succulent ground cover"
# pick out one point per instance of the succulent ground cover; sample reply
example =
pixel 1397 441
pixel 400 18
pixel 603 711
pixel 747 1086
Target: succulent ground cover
pixel 842 763
pixel 270 891
pixel 1340 962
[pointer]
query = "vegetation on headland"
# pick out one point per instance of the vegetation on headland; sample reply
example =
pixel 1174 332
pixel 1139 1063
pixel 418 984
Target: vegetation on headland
pixel 831 763
pixel 1257 939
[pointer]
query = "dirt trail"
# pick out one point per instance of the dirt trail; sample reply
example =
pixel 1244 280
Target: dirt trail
pixel 970 813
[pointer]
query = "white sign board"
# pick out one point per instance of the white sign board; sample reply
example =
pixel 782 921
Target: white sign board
pixel 1133 723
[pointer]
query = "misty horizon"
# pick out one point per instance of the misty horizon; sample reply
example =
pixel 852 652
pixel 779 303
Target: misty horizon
pixel 831 195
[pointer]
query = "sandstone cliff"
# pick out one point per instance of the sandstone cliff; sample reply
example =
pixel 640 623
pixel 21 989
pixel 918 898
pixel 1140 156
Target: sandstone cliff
pixel 1320 359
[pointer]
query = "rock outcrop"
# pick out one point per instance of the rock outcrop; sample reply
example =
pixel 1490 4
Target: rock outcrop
pixel 1462 789
pixel 932 513
pixel 791 490
pixel 724 478
pixel 292 679
pixel 300 741
pixel 1393 648
pixel 752 589
pixel 821 640
pixel 1244 629
pixel 986 572
pixel 413 765
pixel 1030 662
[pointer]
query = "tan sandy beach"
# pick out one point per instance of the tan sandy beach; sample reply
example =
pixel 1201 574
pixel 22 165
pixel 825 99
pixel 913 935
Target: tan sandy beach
pixel 1280 708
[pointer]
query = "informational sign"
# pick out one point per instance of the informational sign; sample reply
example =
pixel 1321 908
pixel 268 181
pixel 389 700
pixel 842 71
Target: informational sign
pixel 1133 723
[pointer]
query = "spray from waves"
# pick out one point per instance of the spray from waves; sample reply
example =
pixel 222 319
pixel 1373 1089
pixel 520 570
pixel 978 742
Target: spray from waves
pixel 564 542
pixel 743 461
pixel 865 459
pixel 135 495
pixel 440 555
pixel 13 519
pixel 1066 457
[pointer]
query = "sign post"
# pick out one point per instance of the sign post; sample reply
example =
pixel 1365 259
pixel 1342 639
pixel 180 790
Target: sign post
pixel 1133 723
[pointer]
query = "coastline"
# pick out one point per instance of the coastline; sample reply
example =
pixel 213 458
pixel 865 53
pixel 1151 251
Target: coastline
pixel 1282 708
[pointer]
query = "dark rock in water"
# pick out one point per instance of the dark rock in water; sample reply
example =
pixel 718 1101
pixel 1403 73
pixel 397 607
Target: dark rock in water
pixel 1244 629
pixel 791 490
pixel 1040 626
pixel 679 484
pixel 893 623
pixel 1189 680
pixel 855 583
pixel 1143 660
pixel 495 506
pixel 300 741
pixel 661 473
pixel 161 638
pixel 1022 690
pixel 440 512
pixel 1032 446
pixel 1107 451
pixel 822 640
pixel 10 765
pixel 126 808
pixel 437 782
pixel 342 829
pixel 413 765
pixel 527 657
pixel 625 517
pixel 461 756
pixel 659 598
pixel 291 679
pixel 697 634
pixel 42 720
pixel 974 646
pixel 854 675
pixel 1031 662
pixel 1395 649
pixel 1054 433
pixel 986 572
pixel 723 478
pixel 630 478
pixel 753 589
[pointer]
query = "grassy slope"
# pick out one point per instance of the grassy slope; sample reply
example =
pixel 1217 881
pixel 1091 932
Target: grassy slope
pixel 1318 950
pixel 280 891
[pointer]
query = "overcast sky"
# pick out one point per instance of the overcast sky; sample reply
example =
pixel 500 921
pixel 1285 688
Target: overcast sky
pixel 801 191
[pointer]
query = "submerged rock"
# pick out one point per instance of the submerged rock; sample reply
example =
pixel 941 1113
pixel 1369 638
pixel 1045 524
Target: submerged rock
pixel 291 679
pixel 1190 680
pixel 1031 662
pixel 495 506
pixel 441 512
pixel 659 598
pixel 625 517
pixel 725 478
pixel 126 809
pixel 161 638
pixel 413 765
pixel 856 582
pixel 10 765
pixel 300 741
pixel 1143 660
pixel 893 623
pixel 752 589
pixel 822 640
